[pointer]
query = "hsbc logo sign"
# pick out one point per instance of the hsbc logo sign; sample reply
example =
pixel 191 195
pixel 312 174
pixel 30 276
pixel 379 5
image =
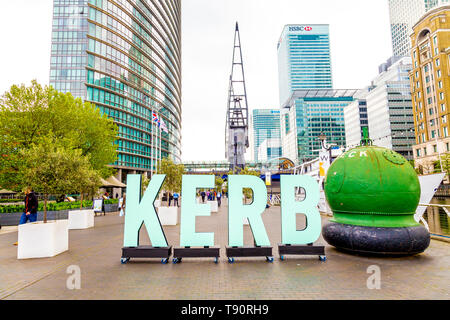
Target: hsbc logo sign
pixel 301 28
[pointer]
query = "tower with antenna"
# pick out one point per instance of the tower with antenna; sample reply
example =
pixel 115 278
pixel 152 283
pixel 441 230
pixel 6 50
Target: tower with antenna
pixel 236 131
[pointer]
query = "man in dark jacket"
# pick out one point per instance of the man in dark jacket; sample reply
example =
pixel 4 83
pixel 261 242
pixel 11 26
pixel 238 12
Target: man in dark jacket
pixel 31 206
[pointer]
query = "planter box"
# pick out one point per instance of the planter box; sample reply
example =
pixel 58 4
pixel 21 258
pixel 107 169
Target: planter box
pixel 43 240
pixel 111 207
pixel 13 219
pixel 83 219
pixel 214 206
pixel 168 216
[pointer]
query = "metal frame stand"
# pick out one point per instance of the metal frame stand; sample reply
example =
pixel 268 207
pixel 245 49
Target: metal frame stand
pixel 257 251
pixel 301 250
pixel 188 252
pixel 146 252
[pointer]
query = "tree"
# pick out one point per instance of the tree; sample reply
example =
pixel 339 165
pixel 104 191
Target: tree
pixel 53 168
pixel 445 158
pixel 219 183
pixel 29 115
pixel 174 175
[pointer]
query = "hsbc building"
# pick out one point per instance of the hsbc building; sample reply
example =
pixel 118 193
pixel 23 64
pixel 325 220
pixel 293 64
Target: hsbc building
pixel 304 60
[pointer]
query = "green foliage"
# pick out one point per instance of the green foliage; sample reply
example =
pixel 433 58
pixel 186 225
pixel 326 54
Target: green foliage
pixel 10 200
pixel 445 158
pixel 50 206
pixel 174 174
pixel 219 183
pixel 31 116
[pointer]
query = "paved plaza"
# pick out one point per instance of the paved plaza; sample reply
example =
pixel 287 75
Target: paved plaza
pixel 97 252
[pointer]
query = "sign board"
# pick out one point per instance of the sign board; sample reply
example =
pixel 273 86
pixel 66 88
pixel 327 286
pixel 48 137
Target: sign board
pixel 268 179
pixel 98 205
pixel 324 162
pixel 140 210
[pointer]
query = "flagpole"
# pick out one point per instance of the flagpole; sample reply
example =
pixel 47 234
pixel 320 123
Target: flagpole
pixel 151 146
pixel 160 144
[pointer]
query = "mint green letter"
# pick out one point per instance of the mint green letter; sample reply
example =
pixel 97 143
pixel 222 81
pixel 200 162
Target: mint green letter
pixel 290 208
pixel 237 211
pixel 143 211
pixel 190 210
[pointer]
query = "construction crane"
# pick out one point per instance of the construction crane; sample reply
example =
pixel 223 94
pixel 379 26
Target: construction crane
pixel 236 131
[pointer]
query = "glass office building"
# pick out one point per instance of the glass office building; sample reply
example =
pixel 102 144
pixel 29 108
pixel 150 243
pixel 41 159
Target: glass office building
pixel 266 134
pixel 404 14
pixel 304 59
pixel 125 57
pixel 308 114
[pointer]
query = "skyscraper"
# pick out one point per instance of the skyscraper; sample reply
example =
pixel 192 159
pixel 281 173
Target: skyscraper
pixel 389 108
pixel 404 14
pixel 307 115
pixel 430 87
pixel 124 57
pixel 266 135
pixel 304 60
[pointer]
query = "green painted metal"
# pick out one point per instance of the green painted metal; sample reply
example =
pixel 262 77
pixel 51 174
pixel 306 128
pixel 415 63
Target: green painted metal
pixel 374 187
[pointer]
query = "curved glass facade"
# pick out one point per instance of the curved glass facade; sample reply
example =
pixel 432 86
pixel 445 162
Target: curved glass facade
pixel 133 69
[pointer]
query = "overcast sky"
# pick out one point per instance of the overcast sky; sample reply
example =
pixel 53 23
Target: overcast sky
pixel 360 41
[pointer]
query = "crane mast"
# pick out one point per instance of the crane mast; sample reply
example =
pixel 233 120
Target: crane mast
pixel 236 135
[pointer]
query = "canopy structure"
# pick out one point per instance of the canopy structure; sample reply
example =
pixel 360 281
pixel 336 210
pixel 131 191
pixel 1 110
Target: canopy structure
pixel 112 182
pixel 3 191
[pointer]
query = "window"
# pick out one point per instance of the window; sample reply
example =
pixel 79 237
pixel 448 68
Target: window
pixel 439 73
pixel 441 96
pixel 418 152
pixel 444 119
pixel 433 134
pixel 424 151
pixel 447 145
pixel 435 148
pixel 442 107
pixel 445 129
pixel 438 62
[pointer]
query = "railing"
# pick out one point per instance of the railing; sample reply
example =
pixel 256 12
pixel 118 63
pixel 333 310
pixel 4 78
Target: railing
pixel 443 206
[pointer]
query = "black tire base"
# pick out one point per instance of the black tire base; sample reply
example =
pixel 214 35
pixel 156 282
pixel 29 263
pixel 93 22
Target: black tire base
pixel 377 241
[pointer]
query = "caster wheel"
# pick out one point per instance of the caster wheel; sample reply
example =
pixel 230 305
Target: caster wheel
pixel 216 260
pixel 282 258
pixel 231 260
pixel 124 260
pixel 323 258
pixel 164 261
pixel 269 259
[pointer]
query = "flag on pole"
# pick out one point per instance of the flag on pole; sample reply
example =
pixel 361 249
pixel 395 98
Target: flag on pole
pixel 155 117
pixel 163 126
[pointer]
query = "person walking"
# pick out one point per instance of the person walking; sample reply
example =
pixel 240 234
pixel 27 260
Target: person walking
pixel 208 195
pixel 122 207
pixel 31 206
pixel 170 198
pixel 219 198
pixel 175 199
pixel 203 196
